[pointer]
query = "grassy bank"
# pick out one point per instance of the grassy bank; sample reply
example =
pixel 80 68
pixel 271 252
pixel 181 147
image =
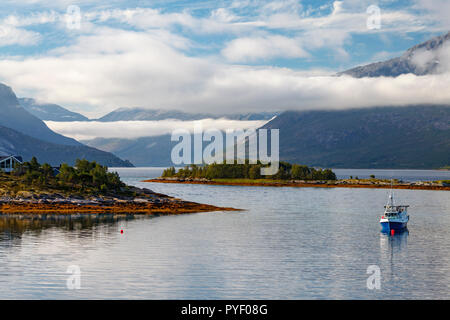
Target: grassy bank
pixel 345 183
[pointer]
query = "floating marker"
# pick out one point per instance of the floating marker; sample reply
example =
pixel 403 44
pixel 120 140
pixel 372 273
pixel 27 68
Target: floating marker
pixel 392 232
pixel 121 231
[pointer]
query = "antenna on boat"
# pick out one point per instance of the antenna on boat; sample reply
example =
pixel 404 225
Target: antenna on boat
pixel 391 194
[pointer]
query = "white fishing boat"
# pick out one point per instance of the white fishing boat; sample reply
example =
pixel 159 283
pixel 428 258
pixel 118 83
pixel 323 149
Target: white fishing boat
pixel 395 217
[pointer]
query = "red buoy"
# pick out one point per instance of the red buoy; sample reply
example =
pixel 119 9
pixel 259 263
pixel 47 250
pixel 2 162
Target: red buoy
pixel 392 232
pixel 121 231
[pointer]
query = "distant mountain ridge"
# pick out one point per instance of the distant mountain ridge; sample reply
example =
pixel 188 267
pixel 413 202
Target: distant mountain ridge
pixel 21 133
pixel 141 114
pixel 414 137
pixel 54 112
pixel 49 111
pixel 142 152
pixel 13 116
pixel 420 60
pixel 16 143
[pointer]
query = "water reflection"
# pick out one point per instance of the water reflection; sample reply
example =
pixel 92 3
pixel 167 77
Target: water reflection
pixel 315 243
pixel 393 249
pixel 394 243
pixel 13 226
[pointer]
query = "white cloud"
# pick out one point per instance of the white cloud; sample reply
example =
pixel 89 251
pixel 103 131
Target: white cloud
pixel 438 10
pixel 107 68
pixel 424 58
pixel 290 6
pixel 330 30
pixel 117 68
pixel 316 31
pixel 137 129
pixel 145 18
pixel 223 14
pixel 35 18
pixel 10 35
pixel 253 49
pixel 59 4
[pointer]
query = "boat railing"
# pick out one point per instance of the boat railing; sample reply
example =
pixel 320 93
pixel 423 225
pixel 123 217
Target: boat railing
pixel 396 206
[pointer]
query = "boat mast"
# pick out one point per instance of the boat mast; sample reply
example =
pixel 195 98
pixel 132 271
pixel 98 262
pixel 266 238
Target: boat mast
pixel 391 196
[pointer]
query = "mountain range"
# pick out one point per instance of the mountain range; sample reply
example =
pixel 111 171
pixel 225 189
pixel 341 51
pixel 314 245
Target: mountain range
pixel 142 152
pixel 386 137
pixel 383 137
pixel 425 58
pixel 54 112
pixel 16 143
pixel 416 136
pixel 22 133
pixel 140 114
pixel 17 118
pixel 50 111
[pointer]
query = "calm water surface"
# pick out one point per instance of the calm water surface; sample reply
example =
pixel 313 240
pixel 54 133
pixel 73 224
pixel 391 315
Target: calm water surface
pixel 291 243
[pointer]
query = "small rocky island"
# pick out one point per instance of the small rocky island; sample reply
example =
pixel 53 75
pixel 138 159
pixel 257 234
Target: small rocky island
pixel 342 183
pixel 289 175
pixel 86 188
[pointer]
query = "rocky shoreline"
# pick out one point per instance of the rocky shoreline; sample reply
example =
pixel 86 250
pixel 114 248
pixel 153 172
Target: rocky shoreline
pixel 366 183
pixel 145 202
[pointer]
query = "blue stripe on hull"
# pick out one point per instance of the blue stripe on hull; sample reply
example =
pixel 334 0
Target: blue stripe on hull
pixel 388 226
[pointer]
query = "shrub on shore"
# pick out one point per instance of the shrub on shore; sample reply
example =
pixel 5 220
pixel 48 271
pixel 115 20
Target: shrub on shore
pixel 85 176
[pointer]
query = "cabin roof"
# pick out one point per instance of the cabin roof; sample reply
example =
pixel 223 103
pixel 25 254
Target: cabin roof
pixel 18 158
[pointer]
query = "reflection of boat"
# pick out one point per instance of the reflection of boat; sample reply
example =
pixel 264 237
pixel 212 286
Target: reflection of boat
pixel 393 251
pixel 395 217
pixel 390 245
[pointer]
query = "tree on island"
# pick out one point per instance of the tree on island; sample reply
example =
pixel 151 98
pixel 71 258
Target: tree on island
pixel 85 175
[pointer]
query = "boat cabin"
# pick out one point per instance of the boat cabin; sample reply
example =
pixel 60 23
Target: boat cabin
pixel 8 163
pixel 392 211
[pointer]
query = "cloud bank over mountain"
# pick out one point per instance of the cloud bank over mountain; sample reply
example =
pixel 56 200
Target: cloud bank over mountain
pixel 132 69
pixel 239 56
pixel 82 130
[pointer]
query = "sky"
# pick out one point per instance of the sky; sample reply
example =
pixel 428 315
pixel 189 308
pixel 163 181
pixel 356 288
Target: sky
pixel 215 56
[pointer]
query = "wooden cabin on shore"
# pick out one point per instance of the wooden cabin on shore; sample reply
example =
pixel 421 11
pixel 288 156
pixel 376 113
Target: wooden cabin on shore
pixel 8 163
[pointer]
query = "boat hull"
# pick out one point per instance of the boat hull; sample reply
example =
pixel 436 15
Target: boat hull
pixel 387 226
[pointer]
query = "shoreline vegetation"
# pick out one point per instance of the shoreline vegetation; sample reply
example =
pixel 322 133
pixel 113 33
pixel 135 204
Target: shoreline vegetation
pixel 290 175
pixel 246 170
pixel 87 188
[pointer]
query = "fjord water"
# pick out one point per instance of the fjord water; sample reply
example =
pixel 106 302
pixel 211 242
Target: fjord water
pixel 290 243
